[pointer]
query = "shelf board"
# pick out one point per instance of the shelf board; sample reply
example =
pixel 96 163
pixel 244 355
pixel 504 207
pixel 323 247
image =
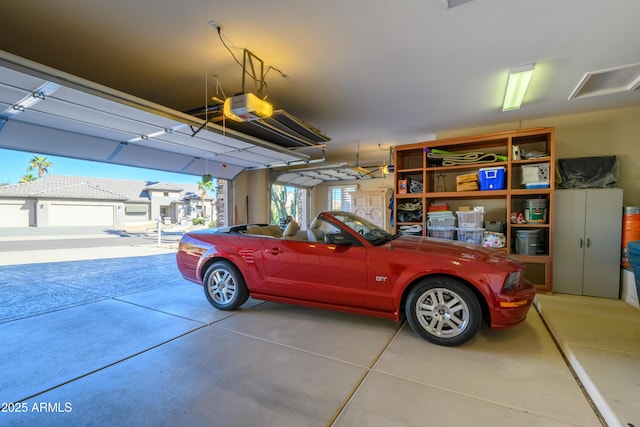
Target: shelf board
pixel 530 225
pixel 412 170
pixel 465 167
pixel 529 161
pixel 533 259
pixel 530 191
pixel 410 196
pixel 477 194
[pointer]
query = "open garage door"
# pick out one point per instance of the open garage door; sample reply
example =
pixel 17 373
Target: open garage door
pixel 74 215
pixel 43 110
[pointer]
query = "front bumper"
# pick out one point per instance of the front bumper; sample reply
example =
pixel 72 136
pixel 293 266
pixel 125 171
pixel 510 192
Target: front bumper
pixel 512 308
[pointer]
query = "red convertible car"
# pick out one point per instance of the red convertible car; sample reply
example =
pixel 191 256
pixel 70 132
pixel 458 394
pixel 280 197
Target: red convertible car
pixel 342 262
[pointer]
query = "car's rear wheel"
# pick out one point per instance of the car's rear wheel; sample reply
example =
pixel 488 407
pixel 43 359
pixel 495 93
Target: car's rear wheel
pixel 443 311
pixel 224 286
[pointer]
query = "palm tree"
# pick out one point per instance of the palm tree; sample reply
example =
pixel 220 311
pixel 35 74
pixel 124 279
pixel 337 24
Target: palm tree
pixel 41 164
pixel 28 178
pixel 204 186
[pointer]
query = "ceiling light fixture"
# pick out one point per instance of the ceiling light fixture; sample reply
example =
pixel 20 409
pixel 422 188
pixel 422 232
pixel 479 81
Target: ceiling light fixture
pixel 519 78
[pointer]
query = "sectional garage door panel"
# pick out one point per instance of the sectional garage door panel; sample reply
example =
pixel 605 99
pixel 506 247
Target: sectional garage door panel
pixel 72 215
pixel 14 215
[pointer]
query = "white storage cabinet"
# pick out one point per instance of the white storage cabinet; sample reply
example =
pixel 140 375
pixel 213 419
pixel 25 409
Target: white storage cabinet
pixel 587 242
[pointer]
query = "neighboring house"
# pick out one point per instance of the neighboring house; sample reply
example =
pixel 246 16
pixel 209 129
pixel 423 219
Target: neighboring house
pixel 74 200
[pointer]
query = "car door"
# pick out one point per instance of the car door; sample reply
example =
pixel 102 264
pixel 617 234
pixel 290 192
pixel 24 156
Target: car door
pixel 317 271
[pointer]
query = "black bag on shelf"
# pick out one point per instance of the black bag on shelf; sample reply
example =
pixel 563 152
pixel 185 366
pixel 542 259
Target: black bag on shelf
pixel 588 172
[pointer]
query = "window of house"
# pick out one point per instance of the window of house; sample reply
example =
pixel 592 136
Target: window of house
pixel 340 197
pixel 288 201
pixel 136 210
pixel 165 194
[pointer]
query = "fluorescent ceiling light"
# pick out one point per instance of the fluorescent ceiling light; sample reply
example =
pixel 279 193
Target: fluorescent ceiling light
pixel 519 78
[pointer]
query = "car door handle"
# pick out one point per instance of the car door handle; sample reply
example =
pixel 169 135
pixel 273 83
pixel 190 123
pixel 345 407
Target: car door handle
pixel 273 251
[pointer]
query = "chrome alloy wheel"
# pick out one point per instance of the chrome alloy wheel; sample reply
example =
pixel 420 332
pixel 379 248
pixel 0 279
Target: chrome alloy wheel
pixel 222 286
pixel 442 312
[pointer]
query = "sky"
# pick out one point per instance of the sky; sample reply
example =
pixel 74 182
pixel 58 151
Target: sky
pixel 14 164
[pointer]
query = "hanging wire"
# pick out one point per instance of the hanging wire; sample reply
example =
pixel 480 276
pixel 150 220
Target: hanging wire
pixel 263 84
pixel 206 82
pixel 224 119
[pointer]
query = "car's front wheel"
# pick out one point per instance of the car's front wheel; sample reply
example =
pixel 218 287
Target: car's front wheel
pixel 443 311
pixel 224 286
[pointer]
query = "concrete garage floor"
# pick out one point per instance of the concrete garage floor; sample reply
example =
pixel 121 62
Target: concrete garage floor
pixel 126 341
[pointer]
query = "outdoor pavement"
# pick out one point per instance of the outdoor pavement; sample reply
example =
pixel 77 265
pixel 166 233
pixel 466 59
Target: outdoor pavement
pixel 113 335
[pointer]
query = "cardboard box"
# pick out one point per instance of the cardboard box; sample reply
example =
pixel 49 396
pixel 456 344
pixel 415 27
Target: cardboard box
pixel 467 182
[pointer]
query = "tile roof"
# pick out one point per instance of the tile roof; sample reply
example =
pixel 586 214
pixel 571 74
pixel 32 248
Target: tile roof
pixel 80 187
pixel 163 186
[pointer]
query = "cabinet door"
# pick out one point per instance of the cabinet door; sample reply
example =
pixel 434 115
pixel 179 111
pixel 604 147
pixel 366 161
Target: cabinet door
pixel 602 243
pixel 568 241
pixel 372 205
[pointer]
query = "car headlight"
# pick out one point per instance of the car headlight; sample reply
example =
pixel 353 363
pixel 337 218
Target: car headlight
pixel 512 281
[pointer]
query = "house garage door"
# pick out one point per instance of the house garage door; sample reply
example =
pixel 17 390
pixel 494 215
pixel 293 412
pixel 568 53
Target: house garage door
pixel 68 215
pixel 14 214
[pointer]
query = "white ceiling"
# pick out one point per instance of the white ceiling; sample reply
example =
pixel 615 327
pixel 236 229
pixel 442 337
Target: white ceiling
pixel 368 73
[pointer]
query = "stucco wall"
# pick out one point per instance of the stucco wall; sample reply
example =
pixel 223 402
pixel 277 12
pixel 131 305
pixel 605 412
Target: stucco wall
pixel 604 133
pixel 611 132
pixel 251 197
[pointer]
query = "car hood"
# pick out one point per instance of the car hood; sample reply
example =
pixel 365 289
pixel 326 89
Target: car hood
pixel 455 249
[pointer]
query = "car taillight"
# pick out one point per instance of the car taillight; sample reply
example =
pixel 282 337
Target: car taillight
pixel 512 281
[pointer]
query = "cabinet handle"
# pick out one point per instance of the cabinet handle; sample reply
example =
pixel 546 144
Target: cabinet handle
pixel 581 242
pixel 588 242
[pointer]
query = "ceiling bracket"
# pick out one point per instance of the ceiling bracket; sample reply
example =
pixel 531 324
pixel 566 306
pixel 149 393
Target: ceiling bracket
pixel 250 62
pixel 116 151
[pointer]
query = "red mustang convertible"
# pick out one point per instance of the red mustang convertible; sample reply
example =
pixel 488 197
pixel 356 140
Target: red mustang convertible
pixel 343 262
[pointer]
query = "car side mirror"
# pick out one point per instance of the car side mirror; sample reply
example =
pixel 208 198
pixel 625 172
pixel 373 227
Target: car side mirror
pixel 337 239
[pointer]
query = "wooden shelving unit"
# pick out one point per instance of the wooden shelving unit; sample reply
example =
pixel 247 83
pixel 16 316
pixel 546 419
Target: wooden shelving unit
pixel 438 184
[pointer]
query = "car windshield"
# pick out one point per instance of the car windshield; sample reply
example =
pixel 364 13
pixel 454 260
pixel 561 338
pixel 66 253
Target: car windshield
pixel 371 232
